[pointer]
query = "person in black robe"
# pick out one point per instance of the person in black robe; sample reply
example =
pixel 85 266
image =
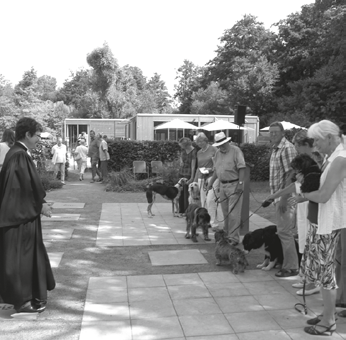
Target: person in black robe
pixel 25 271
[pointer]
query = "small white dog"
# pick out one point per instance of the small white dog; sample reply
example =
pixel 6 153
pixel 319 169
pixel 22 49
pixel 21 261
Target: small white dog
pixel 194 194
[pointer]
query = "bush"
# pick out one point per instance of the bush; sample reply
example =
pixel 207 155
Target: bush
pixel 41 155
pixel 257 157
pixel 49 182
pixel 124 181
pixel 124 152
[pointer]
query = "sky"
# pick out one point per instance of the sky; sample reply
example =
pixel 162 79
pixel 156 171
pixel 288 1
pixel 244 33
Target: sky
pixel 157 36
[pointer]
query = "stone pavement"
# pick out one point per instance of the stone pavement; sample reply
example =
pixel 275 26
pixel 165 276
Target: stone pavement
pixel 194 306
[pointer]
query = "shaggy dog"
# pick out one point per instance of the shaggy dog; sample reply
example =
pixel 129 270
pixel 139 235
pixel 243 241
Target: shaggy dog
pixel 194 194
pixel 197 217
pixel 169 193
pixel 227 252
pixel 303 164
pixel 272 245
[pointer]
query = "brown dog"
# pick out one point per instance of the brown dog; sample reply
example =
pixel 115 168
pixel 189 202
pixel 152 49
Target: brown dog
pixel 227 252
pixel 197 217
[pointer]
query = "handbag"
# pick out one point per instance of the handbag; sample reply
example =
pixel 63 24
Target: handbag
pixel 78 157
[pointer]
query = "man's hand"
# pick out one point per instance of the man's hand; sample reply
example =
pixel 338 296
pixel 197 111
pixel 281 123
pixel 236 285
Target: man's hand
pixel 47 209
pixel 240 188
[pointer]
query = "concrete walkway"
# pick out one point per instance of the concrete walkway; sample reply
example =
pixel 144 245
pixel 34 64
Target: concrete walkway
pixel 215 305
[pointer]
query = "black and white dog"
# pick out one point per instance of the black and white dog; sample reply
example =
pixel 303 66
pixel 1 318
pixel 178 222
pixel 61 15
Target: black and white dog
pixel 169 193
pixel 272 245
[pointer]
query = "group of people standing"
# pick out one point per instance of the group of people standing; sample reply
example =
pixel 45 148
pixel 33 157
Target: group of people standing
pixel 321 216
pixel 219 169
pixel 98 153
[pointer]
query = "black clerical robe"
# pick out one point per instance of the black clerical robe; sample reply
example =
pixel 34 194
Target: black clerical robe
pixel 25 271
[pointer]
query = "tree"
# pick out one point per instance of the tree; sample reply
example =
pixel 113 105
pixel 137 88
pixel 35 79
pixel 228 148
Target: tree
pixel 104 69
pixel 46 88
pixel 244 65
pixel 188 76
pixel 158 88
pixel 211 101
pixel 315 87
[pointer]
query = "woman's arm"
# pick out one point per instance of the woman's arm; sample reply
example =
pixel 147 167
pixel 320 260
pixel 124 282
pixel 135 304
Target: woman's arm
pixel 285 191
pixel 336 174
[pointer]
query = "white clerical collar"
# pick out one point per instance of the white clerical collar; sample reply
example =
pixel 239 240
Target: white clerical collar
pixel 26 148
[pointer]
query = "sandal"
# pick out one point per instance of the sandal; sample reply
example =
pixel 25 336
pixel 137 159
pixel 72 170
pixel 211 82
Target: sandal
pixel 342 314
pixel 318 318
pixel 313 331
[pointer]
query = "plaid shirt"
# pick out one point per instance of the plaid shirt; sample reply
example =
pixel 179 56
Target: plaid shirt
pixel 280 164
pixel 186 160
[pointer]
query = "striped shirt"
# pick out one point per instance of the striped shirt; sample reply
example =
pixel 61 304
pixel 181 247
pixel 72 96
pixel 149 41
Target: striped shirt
pixel 280 164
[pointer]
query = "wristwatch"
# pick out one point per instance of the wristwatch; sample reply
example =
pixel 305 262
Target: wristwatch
pixel 240 182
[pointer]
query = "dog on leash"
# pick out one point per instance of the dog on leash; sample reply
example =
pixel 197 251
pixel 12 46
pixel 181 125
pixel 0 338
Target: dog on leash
pixel 224 251
pixel 194 194
pixel 168 193
pixel 272 245
pixel 197 217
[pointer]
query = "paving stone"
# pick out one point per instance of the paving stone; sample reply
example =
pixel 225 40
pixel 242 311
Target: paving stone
pixel 55 259
pixel 176 257
pixel 61 217
pixel 68 205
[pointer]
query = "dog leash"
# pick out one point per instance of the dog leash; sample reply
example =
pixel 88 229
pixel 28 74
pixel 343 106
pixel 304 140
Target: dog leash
pixel 299 304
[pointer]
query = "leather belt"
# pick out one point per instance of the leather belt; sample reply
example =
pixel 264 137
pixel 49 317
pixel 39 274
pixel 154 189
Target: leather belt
pixel 233 180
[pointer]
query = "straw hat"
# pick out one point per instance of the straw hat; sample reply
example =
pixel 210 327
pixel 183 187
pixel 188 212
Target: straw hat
pixel 220 138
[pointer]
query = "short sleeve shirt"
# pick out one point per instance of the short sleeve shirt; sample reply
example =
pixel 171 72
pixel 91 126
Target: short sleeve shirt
pixel 280 164
pixel 205 159
pixel 227 164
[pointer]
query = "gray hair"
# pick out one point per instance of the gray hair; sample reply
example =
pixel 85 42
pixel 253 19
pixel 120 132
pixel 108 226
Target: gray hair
pixel 201 136
pixel 324 128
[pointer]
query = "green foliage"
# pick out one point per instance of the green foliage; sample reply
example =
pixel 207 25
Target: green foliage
pixel 188 76
pixel 49 182
pixel 257 156
pixel 210 101
pixel 124 152
pixel 104 69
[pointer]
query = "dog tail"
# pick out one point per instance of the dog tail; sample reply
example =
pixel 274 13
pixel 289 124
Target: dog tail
pixel 149 195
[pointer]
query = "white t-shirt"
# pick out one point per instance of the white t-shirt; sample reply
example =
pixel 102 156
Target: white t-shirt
pixel 82 150
pixel 59 153
pixel 332 214
pixel 3 151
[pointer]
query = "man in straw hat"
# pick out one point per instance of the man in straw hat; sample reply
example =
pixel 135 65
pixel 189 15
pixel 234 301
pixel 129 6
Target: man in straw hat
pixel 229 168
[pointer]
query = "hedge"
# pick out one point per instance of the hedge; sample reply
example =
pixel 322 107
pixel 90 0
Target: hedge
pixel 124 152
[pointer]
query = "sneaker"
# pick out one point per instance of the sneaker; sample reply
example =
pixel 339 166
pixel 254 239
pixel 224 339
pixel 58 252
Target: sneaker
pixel 298 284
pixel 314 290
pixel 286 273
pixel 63 183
